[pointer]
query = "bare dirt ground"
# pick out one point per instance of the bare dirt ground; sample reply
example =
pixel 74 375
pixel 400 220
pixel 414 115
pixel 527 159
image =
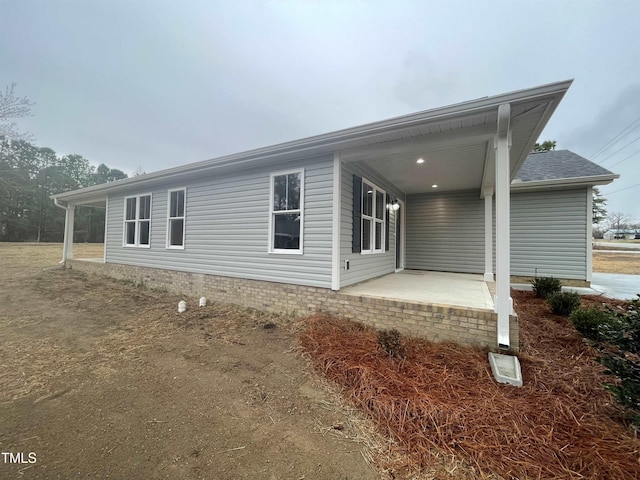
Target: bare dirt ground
pixel 100 379
pixel 616 262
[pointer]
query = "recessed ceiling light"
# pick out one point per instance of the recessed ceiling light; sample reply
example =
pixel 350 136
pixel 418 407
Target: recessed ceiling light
pixel 420 160
pixel 434 186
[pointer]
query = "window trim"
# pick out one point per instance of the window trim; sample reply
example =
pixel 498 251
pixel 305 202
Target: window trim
pixel 373 219
pixel 136 221
pixel 272 213
pixel 183 217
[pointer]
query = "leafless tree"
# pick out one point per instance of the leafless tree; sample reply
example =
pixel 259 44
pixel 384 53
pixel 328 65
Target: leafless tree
pixel 617 220
pixel 12 107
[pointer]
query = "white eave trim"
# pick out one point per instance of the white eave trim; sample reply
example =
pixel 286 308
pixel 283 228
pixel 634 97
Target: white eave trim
pixel 569 182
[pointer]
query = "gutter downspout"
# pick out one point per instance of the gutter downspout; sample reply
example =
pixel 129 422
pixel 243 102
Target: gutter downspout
pixel 67 246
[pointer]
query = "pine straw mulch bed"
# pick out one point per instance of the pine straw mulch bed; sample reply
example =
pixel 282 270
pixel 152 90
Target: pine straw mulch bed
pixel 441 400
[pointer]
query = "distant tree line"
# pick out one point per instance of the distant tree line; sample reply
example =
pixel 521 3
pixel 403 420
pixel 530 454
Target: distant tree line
pixel 29 175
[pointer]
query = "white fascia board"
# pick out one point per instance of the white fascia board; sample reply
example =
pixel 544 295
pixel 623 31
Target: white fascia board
pixel 569 182
pixel 330 142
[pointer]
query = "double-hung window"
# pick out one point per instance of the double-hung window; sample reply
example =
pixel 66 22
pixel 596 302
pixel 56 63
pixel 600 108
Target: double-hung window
pixel 373 218
pixel 137 221
pixel 287 203
pixel 176 218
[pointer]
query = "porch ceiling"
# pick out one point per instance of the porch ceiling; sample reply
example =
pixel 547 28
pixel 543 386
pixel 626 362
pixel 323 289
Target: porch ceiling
pixel 458 168
pixel 94 203
pixel 98 202
pixel 458 152
pixel 453 157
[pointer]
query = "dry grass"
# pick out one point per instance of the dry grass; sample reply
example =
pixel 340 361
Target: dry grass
pixel 38 255
pixel 37 366
pixel 440 402
pixel 618 262
pixel 112 371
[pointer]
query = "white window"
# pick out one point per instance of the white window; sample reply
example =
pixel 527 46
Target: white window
pixel 287 204
pixel 176 217
pixel 137 221
pixel 373 221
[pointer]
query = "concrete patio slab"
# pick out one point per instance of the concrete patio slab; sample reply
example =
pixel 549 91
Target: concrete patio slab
pixel 457 289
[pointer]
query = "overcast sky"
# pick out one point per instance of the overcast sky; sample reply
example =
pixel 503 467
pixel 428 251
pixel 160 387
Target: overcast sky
pixel 147 85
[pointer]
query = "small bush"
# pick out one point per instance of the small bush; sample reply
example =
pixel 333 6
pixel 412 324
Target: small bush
pixel 592 323
pixel 617 336
pixel 624 333
pixel 563 303
pixel 628 327
pixel 545 286
pixel 390 342
pixel 627 391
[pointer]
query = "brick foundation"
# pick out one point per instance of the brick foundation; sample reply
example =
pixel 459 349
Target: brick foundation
pixel 440 323
pixel 567 282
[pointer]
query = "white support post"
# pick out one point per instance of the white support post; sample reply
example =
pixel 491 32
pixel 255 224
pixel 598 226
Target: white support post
pixel 67 249
pixel 589 234
pixel 488 237
pixel 106 224
pixel 337 212
pixel 503 302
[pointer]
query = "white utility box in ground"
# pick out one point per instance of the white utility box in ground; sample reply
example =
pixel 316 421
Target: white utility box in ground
pixel 506 368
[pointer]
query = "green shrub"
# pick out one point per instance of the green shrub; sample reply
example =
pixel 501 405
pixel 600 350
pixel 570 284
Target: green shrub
pixel 617 334
pixel 563 303
pixel 628 331
pixel 592 323
pixel 627 391
pixel 624 362
pixel 545 286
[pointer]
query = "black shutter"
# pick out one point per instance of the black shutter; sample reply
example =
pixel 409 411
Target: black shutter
pixel 356 243
pixel 386 226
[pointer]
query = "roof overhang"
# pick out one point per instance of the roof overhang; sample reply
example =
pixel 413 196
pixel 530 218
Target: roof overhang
pixel 457 139
pixel 564 182
pixel 456 144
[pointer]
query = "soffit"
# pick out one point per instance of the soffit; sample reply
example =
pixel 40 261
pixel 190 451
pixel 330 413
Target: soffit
pixel 456 165
pixel 458 153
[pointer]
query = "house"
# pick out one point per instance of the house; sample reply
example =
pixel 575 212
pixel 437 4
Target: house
pixel 551 228
pixel 621 234
pixel 292 226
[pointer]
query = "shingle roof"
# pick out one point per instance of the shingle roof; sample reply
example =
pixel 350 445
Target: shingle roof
pixel 557 164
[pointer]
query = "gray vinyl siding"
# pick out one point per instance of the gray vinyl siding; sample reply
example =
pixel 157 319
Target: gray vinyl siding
pixel 363 266
pixel 227 225
pixel 445 232
pixel 549 233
